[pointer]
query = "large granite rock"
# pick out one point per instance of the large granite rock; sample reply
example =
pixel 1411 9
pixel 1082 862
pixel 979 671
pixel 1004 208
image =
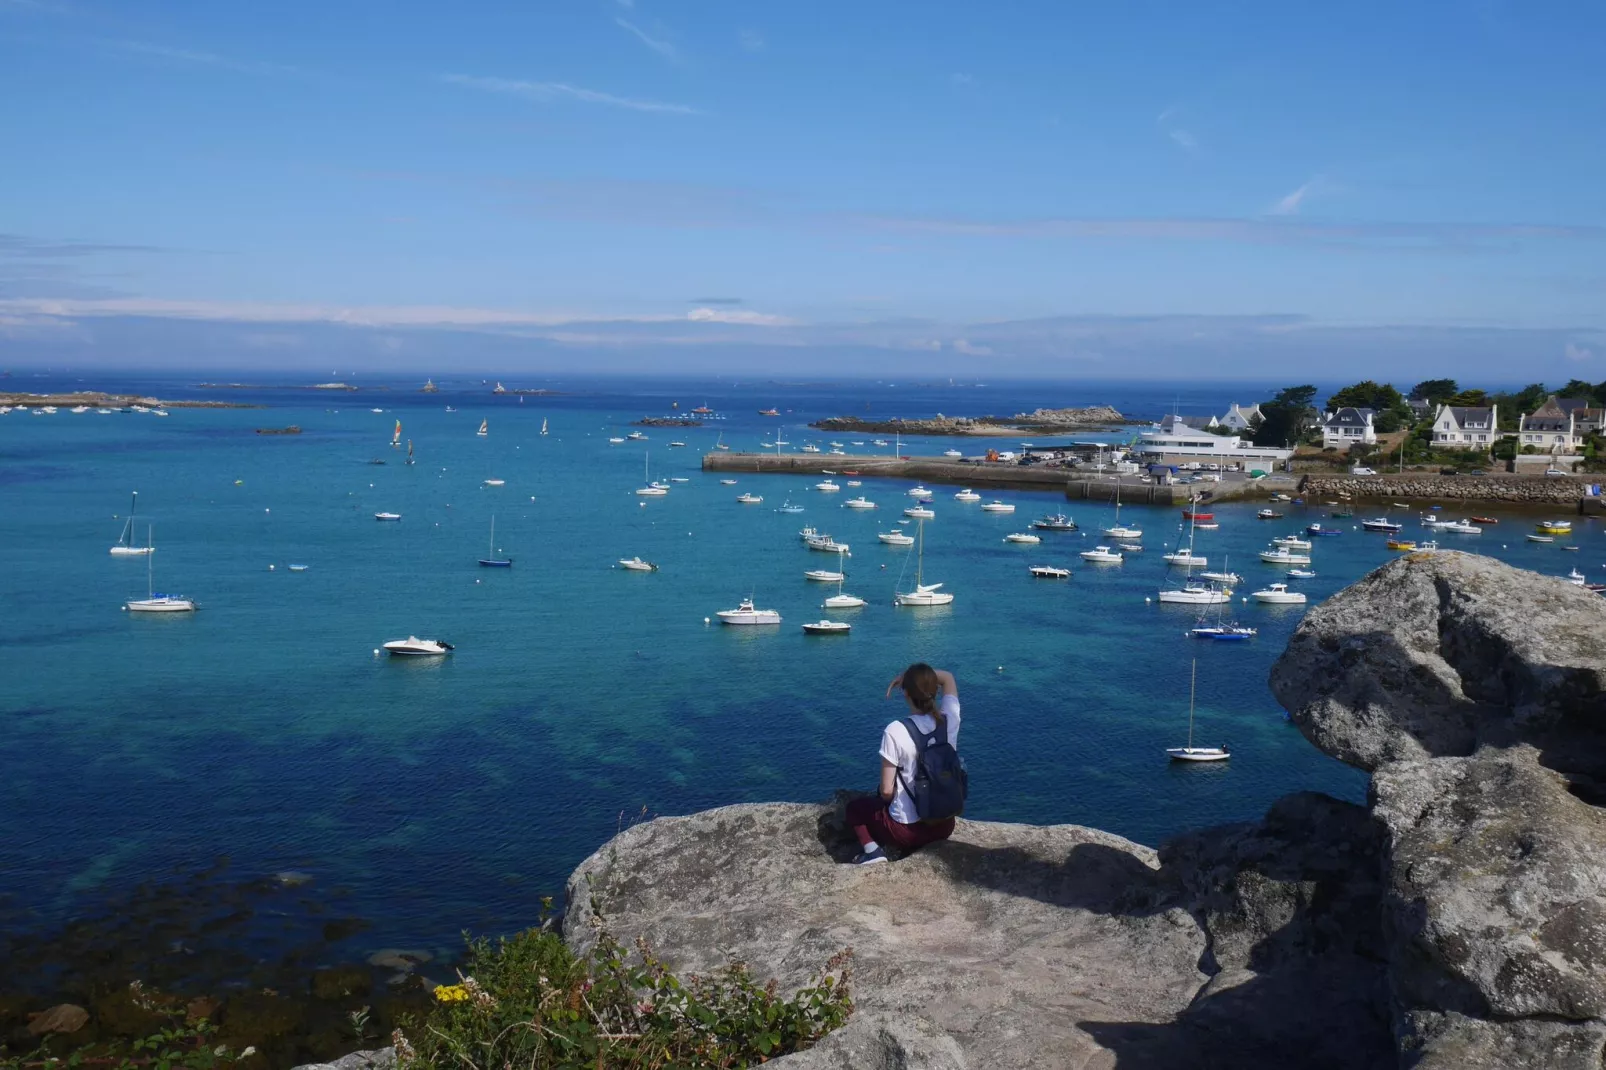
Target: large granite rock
pixel 1024 946
pixel 1438 654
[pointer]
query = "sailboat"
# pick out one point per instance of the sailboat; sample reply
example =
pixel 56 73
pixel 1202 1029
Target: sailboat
pixel 840 600
pixel 409 451
pixel 720 443
pixel 543 419
pixel 651 490
pixel 395 437
pixel 1117 531
pixel 485 428
pixel 1191 593
pixel 153 602
pixel 924 594
pixel 490 560
pixel 125 542
pixel 1190 753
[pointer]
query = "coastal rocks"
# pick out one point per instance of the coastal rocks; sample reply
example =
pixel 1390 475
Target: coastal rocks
pixel 1056 946
pixel 1097 414
pixel 1043 421
pixel 1437 654
pixel 62 1018
pixel 380 1059
pixel 1516 491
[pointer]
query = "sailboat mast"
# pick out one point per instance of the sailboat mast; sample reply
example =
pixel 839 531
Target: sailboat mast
pixel 150 562
pixel 491 550
pixel 1193 688
pixel 920 555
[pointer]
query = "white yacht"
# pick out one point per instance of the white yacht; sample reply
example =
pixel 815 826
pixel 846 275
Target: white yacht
pixel 387 516
pixel 1196 594
pixel 1284 556
pixel 749 498
pixel 1116 531
pixel 125 542
pixel 1190 753
pixel 826 544
pixel 153 602
pixel 824 575
pixel 651 490
pixel 1461 527
pixel 997 507
pixel 636 436
pixel 861 502
pixel 828 627
pixel 1049 572
pixel 636 564
pixel 924 594
pixel 728 482
pixel 1022 537
pixel 413 646
pixel 855 482
pixel 495 482
pixel 827 486
pixel 1293 542
pixel 1185 557
pixel 1102 555
pixel 919 512
pixel 896 538
pixel 746 614
pixel 810 448
pixel 615 440
pixel 967 495
pixel 1278 593
pixel 919 492
pixel 1226 579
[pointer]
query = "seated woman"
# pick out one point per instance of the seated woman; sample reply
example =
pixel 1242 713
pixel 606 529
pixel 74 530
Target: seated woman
pixel 892 820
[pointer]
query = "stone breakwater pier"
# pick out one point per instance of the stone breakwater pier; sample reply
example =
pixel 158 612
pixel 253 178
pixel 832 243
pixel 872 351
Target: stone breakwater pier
pixel 1076 484
pixel 1506 490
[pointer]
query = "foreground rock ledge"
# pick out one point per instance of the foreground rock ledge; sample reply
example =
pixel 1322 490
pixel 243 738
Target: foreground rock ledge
pixel 1023 946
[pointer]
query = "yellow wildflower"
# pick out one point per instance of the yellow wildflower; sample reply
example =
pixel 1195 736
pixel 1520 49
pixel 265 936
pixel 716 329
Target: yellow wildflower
pixel 451 993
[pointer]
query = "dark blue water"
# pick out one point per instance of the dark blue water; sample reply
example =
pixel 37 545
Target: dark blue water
pixel 452 793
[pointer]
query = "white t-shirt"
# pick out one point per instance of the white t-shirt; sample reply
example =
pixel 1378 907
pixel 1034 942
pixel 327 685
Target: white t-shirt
pixel 899 749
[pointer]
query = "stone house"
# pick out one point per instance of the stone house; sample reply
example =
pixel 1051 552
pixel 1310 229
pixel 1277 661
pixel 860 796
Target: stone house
pixel 1559 425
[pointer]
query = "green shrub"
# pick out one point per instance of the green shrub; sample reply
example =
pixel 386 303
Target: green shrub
pixel 528 1001
pixel 178 1041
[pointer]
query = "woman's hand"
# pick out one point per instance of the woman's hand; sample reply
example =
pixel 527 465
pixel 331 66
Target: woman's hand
pixel 897 681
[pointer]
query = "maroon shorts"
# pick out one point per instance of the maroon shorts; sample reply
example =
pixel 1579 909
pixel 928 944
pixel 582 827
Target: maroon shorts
pixel 869 814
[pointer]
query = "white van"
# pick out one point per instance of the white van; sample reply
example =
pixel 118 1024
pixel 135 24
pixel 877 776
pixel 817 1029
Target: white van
pixel 1360 470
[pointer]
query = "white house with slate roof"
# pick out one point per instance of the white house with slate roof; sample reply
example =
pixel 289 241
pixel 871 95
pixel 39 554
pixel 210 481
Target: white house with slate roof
pixel 1348 426
pixel 1239 418
pixel 1466 427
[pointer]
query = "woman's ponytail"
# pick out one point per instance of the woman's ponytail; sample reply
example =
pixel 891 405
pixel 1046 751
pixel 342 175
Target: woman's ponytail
pixel 920 683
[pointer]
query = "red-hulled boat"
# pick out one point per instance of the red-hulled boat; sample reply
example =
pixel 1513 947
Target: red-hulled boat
pixel 1190 514
pixel 1484 520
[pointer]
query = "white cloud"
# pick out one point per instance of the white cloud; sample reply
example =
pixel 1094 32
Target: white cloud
pixel 751 40
pixel 1291 203
pixel 546 91
pixel 657 44
pixel 732 315
pixel 1576 352
pixel 204 59
pixel 1183 138
pixel 962 345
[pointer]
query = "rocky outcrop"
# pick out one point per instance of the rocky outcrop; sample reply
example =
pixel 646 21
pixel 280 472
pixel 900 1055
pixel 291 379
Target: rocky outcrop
pixel 1515 490
pixel 1473 692
pixel 1042 421
pixel 1024 946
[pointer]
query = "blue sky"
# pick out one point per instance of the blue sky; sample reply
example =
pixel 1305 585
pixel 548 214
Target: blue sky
pixel 1086 189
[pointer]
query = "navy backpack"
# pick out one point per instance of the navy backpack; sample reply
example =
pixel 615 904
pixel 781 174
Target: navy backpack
pixel 940 781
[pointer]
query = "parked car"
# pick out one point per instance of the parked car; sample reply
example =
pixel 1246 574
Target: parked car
pixel 1477 472
pixel 1556 472
pixel 1448 472
pixel 1362 470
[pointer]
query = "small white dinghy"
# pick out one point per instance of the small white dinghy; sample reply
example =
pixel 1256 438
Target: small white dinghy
pixel 1190 753
pixel 1022 537
pixel 636 564
pixel 728 482
pixel 495 482
pixel 828 627
pixel 1049 572
pixel 387 516
pixel 413 646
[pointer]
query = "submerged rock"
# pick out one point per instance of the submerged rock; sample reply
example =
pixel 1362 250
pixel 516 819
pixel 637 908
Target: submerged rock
pixel 62 1018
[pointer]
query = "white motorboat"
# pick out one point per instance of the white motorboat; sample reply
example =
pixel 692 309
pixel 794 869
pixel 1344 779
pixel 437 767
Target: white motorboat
pixel 844 601
pixel 1279 594
pixel 919 492
pixel 880 442
pixel 728 482
pixel 1049 572
pixel 674 445
pixel 824 575
pixel 998 507
pixel 1577 579
pixel 636 436
pixel 924 594
pixel 1129 547
pixel 636 564
pixel 1184 557
pixel 680 479
pixel 839 453
pixel 1054 522
pixel 1022 537
pixel 153 602
pixel 125 542
pixel 1227 579
pixel 827 486
pixel 967 495
pixel 826 544
pixel 828 627
pixel 494 482
pixel 1431 521
pixel 1381 524
pixel 80 408
pixel 952 453
pixel 298 568
pixel 896 538
pixel 1302 573
pixel 788 507
pixel 809 533
pixel 861 502
pixel 749 498
pixel 1282 555
pixel 810 448
pixel 746 614
pixel 615 440
pixel 1461 527
pixel 1293 542
pixel 1541 538
pixel 919 512
pixel 855 482
pixel 1196 594
pixel 387 516
pixel 1190 753
pixel 413 646
pixel 1102 555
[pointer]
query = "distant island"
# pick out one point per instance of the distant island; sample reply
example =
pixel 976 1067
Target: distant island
pixel 102 400
pixel 1037 422
pixel 291 430
pixel 667 421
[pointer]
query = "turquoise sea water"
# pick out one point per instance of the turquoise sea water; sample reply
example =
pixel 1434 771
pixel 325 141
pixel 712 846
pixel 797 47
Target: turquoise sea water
pixel 450 793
